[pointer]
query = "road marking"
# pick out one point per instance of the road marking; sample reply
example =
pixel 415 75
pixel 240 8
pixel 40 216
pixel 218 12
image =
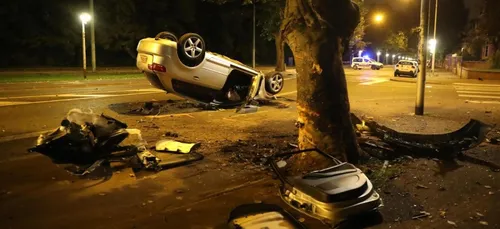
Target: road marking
pixel 476 89
pixel 23 136
pixel 480 96
pixel 476 84
pixel 74 99
pixel 489 92
pixel 482 102
pixel 480 92
pixel 375 82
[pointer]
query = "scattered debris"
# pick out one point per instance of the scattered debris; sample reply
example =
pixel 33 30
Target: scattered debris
pixel 175 146
pixel 494 141
pixel 442 214
pixel 479 214
pixel 89 141
pixel 283 105
pixel 180 190
pixel 150 201
pixel 452 223
pixel 189 209
pixel 132 175
pixel 247 109
pixel 419 186
pixel 422 214
pixel 483 223
pixel 487 187
pixel 179 197
pixel 171 134
pixel 442 189
pixel 302 220
pixel 491 193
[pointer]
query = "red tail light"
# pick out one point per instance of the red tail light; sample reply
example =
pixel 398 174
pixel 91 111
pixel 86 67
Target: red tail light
pixel 157 67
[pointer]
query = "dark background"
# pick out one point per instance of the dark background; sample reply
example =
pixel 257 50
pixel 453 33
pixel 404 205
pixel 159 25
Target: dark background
pixel 48 32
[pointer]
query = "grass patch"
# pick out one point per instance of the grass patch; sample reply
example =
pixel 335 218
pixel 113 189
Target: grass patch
pixel 49 77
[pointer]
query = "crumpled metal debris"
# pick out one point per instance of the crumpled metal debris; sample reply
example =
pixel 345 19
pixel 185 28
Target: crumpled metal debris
pixel 438 145
pixel 82 138
pixel 90 141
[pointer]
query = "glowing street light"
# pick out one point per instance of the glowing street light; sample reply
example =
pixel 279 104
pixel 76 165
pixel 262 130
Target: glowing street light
pixel 393 56
pixel 387 58
pixel 360 52
pixel 84 18
pixel 378 18
pixel 378 56
pixel 432 45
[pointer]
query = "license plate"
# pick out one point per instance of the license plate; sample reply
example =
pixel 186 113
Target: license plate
pixel 144 59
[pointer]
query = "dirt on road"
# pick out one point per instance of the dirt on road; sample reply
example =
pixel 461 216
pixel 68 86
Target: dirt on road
pixel 36 193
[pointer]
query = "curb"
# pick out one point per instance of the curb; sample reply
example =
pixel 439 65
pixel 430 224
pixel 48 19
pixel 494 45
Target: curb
pixel 413 81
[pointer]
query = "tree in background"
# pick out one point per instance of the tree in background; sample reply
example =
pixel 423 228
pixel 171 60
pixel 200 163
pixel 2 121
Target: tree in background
pixel 396 42
pixel 269 17
pixel 356 42
pixel 315 33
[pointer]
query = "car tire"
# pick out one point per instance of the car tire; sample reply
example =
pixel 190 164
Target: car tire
pixel 356 67
pixel 396 74
pixel 373 67
pixel 274 82
pixel 191 49
pixel 166 35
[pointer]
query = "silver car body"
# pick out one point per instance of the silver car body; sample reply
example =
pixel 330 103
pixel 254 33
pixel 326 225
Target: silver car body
pixel 159 61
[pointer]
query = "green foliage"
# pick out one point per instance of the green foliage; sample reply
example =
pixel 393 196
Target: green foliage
pixel 495 60
pixel 397 42
pixel 356 40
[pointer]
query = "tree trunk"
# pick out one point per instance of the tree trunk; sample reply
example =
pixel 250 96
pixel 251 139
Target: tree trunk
pixel 280 53
pixel 315 33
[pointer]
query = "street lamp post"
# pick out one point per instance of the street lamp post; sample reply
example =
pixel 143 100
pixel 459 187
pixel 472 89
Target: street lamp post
pixel 253 41
pixel 92 35
pixel 387 58
pixel 393 56
pixel 360 52
pixel 419 103
pixel 378 56
pixel 435 29
pixel 84 17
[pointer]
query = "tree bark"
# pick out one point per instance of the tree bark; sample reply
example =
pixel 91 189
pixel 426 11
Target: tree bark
pixel 314 30
pixel 280 53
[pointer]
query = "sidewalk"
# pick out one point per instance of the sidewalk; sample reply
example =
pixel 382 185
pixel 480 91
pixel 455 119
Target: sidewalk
pixel 439 77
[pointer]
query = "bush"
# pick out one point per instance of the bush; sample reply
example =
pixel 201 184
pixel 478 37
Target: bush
pixel 495 60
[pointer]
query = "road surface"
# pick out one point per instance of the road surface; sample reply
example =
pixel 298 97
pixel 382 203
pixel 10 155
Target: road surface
pixel 36 192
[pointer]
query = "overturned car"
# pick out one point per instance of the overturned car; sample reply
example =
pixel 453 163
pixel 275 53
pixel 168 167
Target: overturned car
pixel 184 67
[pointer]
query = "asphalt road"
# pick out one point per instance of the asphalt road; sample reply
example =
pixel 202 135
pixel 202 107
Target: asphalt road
pixel 30 108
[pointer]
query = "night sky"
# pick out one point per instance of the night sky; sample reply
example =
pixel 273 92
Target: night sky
pixel 473 5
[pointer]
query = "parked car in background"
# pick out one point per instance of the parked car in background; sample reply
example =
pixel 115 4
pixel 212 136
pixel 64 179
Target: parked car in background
pixel 363 62
pixel 406 67
pixel 184 67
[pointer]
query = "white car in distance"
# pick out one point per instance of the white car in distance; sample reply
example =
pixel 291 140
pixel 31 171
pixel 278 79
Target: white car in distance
pixel 406 67
pixel 363 62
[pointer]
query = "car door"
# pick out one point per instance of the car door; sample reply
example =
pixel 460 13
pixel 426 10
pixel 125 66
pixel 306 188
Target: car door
pixel 366 63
